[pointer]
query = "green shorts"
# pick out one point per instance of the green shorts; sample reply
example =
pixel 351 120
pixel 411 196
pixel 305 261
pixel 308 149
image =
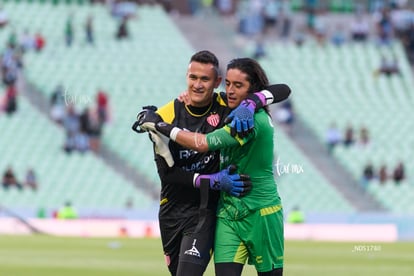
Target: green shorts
pixel 258 238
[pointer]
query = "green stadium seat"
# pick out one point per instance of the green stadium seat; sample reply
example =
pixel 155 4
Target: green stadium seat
pixel 338 85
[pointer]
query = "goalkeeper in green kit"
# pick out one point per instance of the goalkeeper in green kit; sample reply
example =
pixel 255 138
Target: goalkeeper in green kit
pixel 250 228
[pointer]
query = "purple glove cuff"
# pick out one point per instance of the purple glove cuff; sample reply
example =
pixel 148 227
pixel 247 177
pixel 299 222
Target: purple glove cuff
pixel 197 180
pixel 261 97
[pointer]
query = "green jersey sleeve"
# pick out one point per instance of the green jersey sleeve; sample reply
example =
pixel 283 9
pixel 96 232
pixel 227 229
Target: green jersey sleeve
pixel 221 138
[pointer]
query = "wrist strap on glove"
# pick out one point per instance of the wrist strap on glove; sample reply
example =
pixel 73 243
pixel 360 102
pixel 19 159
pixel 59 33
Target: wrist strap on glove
pixel 168 130
pixel 261 98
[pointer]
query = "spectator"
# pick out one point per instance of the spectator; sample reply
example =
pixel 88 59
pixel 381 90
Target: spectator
pixel 399 173
pixel 300 36
pixel 333 137
pixel 69 32
pixel 338 37
pixel 401 18
pixel 310 18
pixel 384 27
pixel 4 18
pixel 207 8
pixel 12 39
pixel 285 18
pixel 102 103
pixel 71 120
pixel 82 142
pixel 224 7
pixel 383 174
pixel 364 136
pixel 259 51
pixel 122 29
pixel 359 28
pixel 26 41
pixel 251 23
pixel 409 42
pixel 91 125
pixel 167 5
pixel 84 120
pixel 71 123
pixel 123 9
pixel 388 67
pixel 368 174
pixel 296 216
pixel 39 42
pixel 320 29
pixel 57 104
pixel 270 15
pixel 95 130
pixel 89 30
pixel 11 99
pixel 41 213
pixel 77 138
pixel 31 180
pixel 10 66
pixel 10 180
pixel 67 212
pixel 349 136
pixel 78 141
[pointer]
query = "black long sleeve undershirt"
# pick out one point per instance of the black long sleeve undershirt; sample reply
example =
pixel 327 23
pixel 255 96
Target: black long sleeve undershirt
pixel 173 175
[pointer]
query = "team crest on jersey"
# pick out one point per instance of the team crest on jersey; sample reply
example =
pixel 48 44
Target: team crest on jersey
pixel 213 119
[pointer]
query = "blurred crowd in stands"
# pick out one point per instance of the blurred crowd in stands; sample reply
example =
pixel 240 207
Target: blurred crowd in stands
pixel 121 12
pixel 83 130
pixel 11 61
pixel 380 21
pixel 388 67
pixel 334 137
pixel 10 180
pixel 383 174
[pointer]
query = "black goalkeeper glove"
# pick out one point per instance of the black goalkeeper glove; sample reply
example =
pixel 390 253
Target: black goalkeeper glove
pixel 146 119
pixel 149 120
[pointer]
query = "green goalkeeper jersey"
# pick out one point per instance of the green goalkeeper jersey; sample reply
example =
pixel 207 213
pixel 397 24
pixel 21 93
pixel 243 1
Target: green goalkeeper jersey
pixel 253 155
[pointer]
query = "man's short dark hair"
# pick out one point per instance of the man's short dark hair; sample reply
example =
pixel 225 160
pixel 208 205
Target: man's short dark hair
pixel 206 57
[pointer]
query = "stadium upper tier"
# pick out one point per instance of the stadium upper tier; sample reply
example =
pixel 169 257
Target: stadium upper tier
pixel 339 85
pixel 148 68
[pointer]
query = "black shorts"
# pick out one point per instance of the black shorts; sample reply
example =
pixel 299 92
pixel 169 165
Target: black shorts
pixel 189 239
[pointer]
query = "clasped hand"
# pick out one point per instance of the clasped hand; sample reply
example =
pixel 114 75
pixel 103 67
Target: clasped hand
pixel 241 119
pixel 229 181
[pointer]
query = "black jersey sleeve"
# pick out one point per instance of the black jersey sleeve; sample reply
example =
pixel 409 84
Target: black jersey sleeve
pixel 173 175
pixel 280 92
pixel 274 93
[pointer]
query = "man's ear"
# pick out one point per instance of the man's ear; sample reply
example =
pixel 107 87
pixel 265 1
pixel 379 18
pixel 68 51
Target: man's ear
pixel 218 82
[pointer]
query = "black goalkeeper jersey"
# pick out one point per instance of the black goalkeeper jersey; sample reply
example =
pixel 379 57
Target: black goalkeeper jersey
pixel 180 199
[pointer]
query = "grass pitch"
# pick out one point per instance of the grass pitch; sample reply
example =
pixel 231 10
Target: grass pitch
pixel 47 256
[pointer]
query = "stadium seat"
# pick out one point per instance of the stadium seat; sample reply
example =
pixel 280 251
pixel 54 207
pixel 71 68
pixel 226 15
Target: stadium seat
pixel 338 85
